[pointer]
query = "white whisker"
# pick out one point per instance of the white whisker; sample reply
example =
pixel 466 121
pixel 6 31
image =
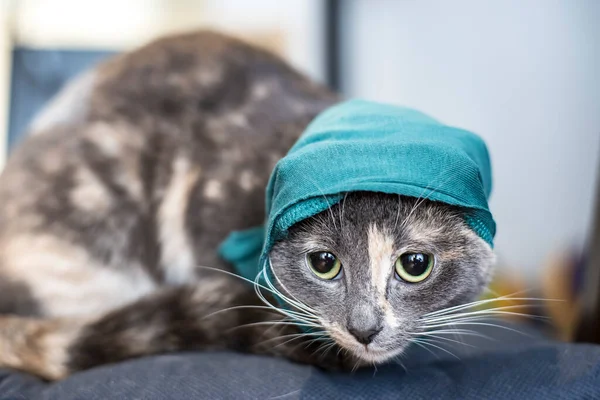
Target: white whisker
pixel 293 336
pixel 418 343
pixel 342 212
pixel 481 302
pixel 307 177
pixel 255 283
pixel 305 317
pixel 465 332
pixel 490 312
pixel 399 206
pixel 324 349
pixel 299 305
pixel 477 323
pixel 428 343
pixel 430 335
pixel 421 199
pixel 304 306
pixel 276 323
pixel 250 307
pixel 399 361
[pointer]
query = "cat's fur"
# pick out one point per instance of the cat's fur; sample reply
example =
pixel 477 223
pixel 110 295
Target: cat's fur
pixel 117 201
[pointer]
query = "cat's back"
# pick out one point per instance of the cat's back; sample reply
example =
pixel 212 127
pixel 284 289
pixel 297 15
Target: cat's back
pixel 143 165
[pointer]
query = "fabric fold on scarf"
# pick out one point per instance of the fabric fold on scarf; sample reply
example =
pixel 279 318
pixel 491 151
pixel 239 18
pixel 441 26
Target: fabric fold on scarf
pixel 361 145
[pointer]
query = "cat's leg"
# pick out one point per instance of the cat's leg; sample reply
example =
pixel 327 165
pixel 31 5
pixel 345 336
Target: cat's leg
pixel 220 313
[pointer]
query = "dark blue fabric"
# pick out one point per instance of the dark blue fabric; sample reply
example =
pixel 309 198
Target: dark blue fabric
pixel 37 75
pixel 513 369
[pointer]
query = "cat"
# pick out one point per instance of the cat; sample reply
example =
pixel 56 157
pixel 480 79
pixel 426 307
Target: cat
pixel 113 207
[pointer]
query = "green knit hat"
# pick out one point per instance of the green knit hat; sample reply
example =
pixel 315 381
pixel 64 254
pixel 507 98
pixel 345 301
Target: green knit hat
pixel 365 146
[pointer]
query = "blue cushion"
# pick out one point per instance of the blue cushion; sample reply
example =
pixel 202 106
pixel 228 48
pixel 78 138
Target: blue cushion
pixel 546 370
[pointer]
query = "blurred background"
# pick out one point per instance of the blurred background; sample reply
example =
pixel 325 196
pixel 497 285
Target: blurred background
pixel 525 75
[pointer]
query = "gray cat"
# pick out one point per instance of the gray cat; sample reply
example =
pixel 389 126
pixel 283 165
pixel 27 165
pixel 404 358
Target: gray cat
pixel 113 208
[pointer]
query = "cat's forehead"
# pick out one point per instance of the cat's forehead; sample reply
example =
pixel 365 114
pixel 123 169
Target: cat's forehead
pixel 362 216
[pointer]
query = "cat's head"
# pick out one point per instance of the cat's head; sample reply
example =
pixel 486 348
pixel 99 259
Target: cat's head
pixel 372 266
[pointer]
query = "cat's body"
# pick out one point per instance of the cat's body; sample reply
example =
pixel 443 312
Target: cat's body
pixel 171 153
pixel 117 201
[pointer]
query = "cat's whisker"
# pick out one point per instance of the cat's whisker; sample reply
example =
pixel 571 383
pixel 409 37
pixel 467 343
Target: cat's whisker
pixel 307 177
pixel 466 321
pixel 260 323
pixel 280 328
pixel 422 345
pixel 307 308
pixel 491 291
pixel 452 331
pixel 311 341
pixel 254 283
pixel 398 212
pixel 325 339
pixel 428 343
pixel 329 349
pixel 320 337
pixel 249 307
pixel 299 316
pixel 282 396
pixel 398 359
pixel 302 316
pixel 294 315
pixel 455 309
pixel 295 302
pixel 295 318
pixel 490 312
pixel 430 335
pixel 342 212
pixel 294 335
pixel 306 317
pixel 324 349
pixel 355 367
pixel 465 332
pixel 496 294
pixel 485 316
pixel 340 348
pixel 291 337
pixel 514 296
pixel 421 199
pixel 486 301
pixel 288 313
pixel 489 324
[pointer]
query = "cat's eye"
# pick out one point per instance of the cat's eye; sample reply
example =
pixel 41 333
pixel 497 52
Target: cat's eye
pixel 324 264
pixel 414 267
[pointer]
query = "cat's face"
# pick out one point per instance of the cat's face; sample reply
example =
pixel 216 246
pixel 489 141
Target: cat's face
pixel 373 265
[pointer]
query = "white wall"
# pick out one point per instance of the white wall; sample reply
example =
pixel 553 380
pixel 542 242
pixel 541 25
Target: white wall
pixel 523 74
pixel 117 24
pixel 302 21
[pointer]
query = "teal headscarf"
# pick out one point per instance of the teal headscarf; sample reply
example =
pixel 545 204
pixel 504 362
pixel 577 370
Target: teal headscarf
pixel 365 146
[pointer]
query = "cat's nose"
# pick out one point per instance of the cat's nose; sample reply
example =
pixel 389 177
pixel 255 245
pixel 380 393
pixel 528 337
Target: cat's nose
pixel 364 336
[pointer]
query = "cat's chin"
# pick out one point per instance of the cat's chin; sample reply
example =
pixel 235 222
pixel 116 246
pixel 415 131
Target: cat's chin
pixel 373 355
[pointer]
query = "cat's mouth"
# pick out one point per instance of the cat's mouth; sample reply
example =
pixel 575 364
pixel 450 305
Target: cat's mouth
pixel 371 353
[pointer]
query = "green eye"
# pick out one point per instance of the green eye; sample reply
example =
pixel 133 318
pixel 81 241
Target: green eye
pixel 414 267
pixel 324 264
